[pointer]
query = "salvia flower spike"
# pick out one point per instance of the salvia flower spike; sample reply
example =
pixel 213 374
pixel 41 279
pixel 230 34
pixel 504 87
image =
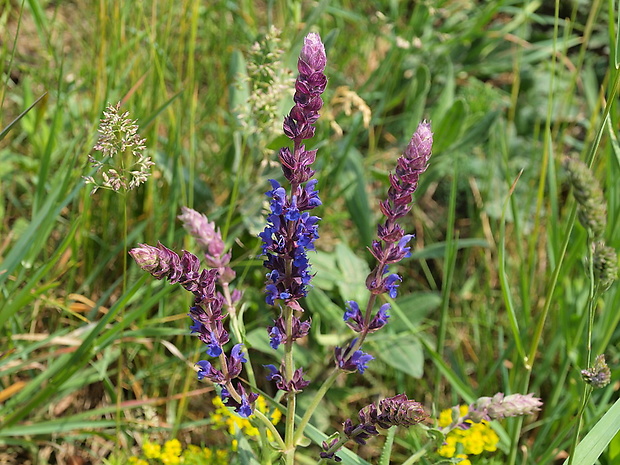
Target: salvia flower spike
pixel 392 411
pixel 390 247
pixel 291 230
pixel 210 241
pixel 207 317
pixel 501 406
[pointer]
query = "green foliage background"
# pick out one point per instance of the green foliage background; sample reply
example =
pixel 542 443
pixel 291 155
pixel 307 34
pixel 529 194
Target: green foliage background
pixel 493 297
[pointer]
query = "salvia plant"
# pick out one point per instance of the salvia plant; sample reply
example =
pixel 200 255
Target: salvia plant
pixel 287 239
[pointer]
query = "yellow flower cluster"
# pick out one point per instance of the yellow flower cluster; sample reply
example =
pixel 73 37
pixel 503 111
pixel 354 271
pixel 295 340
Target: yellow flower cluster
pixel 225 417
pixel 172 454
pixel 460 443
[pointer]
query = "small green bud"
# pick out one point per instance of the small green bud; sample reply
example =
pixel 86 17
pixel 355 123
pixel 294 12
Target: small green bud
pixel 605 262
pixel 591 204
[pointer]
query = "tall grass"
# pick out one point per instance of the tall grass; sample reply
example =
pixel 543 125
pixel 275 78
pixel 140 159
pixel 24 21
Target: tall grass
pixel 493 297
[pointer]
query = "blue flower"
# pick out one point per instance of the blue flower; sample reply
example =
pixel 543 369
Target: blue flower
pixel 274 373
pixel 292 212
pixel 401 250
pixel 360 360
pixel 276 337
pixel 195 327
pixel 391 284
pixel 347 362
pixel 313 195
pixel 237 355
pixel 353 311
pixel 380 319
pixel 206 370
pixel 213 347
pixel 243 408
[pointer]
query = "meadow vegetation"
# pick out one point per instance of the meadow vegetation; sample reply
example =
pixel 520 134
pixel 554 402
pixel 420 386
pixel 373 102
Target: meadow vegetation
pixel 501 292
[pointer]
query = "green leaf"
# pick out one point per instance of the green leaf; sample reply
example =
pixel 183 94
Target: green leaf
pixel 319 303
pixel 356 196
pixel 159 110
pixel 386 453
pixel 6 130
pixel 353 271
pixel 446 98
pixel 596 441
pixel 415 98
pixel 327 275
pixel 449 129
pixel 614 449
pixel 438 249
pixel 240 90
pixel 406 355
pixel 410 310
pixel 245 453
pixel 617 44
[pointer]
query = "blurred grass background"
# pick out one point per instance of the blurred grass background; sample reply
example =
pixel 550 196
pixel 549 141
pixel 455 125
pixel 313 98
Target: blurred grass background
pixel 510 88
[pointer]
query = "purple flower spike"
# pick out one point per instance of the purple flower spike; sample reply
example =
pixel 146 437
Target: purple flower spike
pixel 291 231
pixel 392 243
pixel 159 261
pixel 312 58
pixel 203 231
pixel 393 411
pixel 210 240
pixel 309 86
pixel 163 263
pixel 500 406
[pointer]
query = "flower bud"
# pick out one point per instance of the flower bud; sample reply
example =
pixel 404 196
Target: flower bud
pixel 599 375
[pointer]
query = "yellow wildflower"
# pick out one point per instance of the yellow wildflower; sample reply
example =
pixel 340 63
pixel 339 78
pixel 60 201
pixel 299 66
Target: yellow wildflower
pixel 171 454
pixel 479 437
pixel 151 451
pixel 137 461
pixel 224 417
pixel 448 449
pixel 221 457
pixel 445 417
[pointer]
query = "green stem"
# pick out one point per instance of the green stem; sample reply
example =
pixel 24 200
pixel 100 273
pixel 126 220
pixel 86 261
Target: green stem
pixel 448 272
pixel 119 375
pixel 276 435
pixel 234 326
pixel 289 368
pixel 329 381
pixel 585 395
